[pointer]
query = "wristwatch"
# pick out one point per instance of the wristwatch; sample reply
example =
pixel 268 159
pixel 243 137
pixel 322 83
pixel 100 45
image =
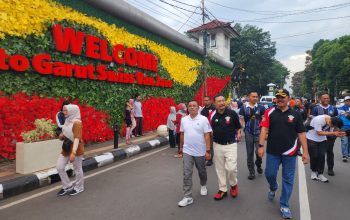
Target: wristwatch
pixel 261 145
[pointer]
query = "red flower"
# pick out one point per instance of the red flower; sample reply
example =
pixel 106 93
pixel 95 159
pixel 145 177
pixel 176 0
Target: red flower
pixel 214 86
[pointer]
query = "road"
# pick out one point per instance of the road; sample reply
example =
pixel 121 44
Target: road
pixel 149 186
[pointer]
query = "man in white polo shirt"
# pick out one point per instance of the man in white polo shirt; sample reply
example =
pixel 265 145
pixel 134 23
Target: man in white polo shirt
pixel 195 145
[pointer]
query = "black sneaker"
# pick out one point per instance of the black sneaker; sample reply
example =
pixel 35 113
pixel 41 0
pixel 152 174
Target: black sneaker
pixel 331 173
pixel 251 176
pixel 345 159
pixel 209 163
pixel 75 192
pixel 259 170
pixel 63 192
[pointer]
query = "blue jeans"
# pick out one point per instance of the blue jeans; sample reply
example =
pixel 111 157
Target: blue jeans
pixel 345 148
pixel 288 170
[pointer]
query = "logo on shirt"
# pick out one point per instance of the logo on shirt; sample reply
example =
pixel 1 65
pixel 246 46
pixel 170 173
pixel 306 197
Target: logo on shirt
pixel 290 118
pixel 227 118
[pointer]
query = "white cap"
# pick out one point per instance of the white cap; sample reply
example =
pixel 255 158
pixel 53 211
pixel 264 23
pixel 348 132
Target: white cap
pixel 346 98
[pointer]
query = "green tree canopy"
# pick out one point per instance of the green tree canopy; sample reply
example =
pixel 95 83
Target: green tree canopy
pixel 253 54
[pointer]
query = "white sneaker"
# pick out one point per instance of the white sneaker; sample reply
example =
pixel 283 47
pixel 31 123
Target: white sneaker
pixel 204 190
pixel 314 176
pixel 185 202
pixel 322 178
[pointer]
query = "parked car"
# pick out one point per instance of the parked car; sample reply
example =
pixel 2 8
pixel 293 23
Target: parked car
pixel 267 101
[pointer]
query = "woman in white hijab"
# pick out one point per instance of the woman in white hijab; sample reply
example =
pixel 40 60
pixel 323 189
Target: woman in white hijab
pixel 72 137
pixel 171 127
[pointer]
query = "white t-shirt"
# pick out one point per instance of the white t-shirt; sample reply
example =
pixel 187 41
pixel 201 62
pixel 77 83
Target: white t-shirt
pixel 317 122
pixel 194 130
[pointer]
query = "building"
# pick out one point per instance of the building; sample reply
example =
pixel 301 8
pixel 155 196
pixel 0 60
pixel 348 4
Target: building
pixel 219 36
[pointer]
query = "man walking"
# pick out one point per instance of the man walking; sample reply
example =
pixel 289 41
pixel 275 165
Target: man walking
pixel 250 115
pixel 283 126
pixel 195 146
pixel 226 133
pixel 344 115
pixel 207 109
pixel 317 143
pixel 324 108
pixel 138 115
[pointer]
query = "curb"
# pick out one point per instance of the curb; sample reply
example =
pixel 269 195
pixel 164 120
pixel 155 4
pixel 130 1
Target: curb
pixel 36 180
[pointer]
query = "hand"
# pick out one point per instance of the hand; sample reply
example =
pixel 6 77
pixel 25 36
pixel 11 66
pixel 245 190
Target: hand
pixel 261 152
pixel 305 158
pixel 71 157
pixel 61 136
pixel 238 136
pixel 339 133
pixel 207 156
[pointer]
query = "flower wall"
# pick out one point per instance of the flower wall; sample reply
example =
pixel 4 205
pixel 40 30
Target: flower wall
pixel 26 29
pixel 19 111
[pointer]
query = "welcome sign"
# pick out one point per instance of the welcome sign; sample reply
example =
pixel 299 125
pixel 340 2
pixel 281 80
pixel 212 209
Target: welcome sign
pixel 68 40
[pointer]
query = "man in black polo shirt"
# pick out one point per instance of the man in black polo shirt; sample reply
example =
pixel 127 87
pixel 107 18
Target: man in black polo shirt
pixel 207 109
pixel 226 133
pixel 284 127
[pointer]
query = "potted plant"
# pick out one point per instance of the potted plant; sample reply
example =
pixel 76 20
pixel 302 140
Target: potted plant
pixel 40 148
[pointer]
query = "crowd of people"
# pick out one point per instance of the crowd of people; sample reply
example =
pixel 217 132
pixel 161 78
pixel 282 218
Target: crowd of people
pixel 290 127
pixel 209 135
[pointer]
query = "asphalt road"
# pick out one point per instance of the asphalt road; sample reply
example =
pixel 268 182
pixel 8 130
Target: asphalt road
pixel 149 186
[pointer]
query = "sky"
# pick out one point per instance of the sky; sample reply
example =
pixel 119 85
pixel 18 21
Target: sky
pixel 292 38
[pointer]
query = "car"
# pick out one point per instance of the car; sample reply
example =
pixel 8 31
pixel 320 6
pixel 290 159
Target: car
pixel 267 101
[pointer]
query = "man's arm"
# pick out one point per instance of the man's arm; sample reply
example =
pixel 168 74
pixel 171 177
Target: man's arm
pixel 302 139
pixel 207 145
pixel 181 141
pixel 263 133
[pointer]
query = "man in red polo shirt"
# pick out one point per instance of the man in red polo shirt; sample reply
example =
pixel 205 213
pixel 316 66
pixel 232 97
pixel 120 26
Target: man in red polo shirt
pixel 284 127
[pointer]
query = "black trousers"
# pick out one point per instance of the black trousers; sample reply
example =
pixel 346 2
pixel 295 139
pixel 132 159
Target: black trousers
pixel 139 125
pixel 252 145
pixel 330 153
pixel 317 151
pixel 171 138
pixel 177 138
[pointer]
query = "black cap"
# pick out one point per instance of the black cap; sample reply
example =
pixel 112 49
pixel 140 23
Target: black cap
pixel 282 92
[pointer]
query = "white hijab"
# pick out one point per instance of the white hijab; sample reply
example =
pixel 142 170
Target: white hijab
pixel 73 115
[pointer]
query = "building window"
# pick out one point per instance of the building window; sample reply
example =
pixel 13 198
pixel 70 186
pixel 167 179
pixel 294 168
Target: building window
pixel 227 42
pixel 212 40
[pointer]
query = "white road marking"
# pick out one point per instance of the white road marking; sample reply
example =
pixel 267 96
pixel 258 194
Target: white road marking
pixel 86 177
pixel 303 196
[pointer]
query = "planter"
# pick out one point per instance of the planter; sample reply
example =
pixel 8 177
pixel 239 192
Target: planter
pixel 36 156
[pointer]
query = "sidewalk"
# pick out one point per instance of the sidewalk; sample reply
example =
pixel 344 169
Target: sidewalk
pixel 96 155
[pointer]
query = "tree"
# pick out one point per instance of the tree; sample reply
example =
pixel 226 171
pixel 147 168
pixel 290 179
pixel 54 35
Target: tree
pixel 253 54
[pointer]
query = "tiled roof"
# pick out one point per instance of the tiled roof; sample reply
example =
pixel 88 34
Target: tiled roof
pixel 211 25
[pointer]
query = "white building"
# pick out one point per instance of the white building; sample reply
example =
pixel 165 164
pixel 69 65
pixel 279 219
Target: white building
pixel 219 35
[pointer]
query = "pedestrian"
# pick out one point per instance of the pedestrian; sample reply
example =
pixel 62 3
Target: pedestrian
pixel 207 109
pixel 300 108
pixel 317 142
pixel 284 127
pixel 344 114
pixel 324 108
pixel 195 145
pixel 60 119
pixel 129 120
pixel 138 115
pixel 171 127
pixel 226 133
pixel 251 115
pixel 181 112
pixel 73 151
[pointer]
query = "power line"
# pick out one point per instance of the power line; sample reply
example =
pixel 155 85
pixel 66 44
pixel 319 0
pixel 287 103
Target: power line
pixel 175 6
pixel 185 3
pixel 170 12
pixel 273 12
pixel 158 12
pixel 298 21
pixel 187 19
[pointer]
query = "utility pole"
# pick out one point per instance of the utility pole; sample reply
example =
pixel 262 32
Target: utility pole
pixel 205 52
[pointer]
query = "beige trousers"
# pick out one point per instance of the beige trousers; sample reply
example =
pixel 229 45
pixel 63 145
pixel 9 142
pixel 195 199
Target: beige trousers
pixel 225 160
